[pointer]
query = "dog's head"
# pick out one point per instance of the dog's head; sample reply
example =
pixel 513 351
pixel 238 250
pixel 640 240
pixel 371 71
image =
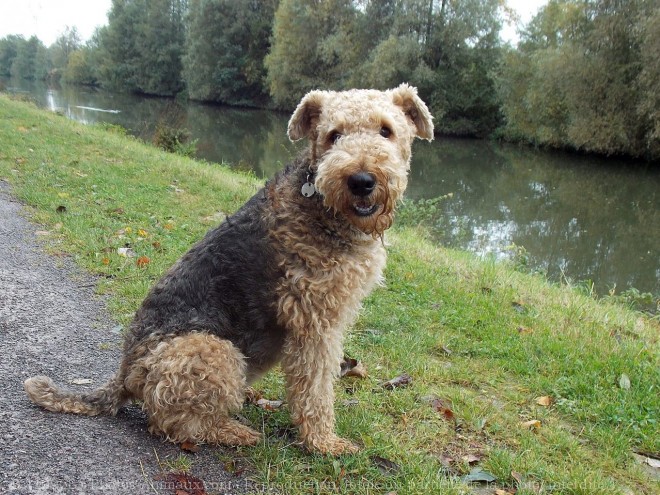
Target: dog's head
pixel 360 145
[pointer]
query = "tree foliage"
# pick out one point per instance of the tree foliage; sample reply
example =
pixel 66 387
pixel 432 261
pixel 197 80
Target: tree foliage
pixel 225 48
pixel 142 45
pixel 585 77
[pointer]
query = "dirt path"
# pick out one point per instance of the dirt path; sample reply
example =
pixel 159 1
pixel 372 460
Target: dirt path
pixel 52 323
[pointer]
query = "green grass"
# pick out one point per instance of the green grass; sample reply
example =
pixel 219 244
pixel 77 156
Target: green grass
pixel 483 337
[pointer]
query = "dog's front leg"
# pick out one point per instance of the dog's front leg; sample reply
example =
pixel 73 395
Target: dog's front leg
pixel 311 364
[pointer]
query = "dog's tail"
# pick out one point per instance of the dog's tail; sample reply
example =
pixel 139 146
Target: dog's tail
pixel 104 400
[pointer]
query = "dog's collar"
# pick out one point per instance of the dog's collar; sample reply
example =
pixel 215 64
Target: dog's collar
pixel 308 189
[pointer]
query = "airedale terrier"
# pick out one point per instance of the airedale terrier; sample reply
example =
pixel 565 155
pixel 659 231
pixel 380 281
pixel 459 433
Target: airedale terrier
pixel 280 280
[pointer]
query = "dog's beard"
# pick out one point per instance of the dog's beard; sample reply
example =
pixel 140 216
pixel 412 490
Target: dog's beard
pixel 372 214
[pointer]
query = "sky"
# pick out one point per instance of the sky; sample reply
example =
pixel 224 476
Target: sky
pixel 47 19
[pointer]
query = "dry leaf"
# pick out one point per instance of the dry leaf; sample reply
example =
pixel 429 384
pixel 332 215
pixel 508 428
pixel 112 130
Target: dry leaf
pixel 42 232
pixel 400 381
pixel 105 261
pixel 142 261
pixel 156 245
pixel 352 367
pixel 532 424
pixel 545 401
pixel 385 466
pixel 183 484
pixel 517 476
pixel 269 405
pixel 524 330
pixel 190 447
pixel 444 408
pixel 471 458
pixel 624 381
pixel 501 491
pixel 126 252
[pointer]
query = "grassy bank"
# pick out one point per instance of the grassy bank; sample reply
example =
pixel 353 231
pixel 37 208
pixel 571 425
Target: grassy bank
pixel 545 389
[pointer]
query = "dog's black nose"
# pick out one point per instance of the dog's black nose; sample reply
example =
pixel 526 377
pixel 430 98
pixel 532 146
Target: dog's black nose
pixel 362 183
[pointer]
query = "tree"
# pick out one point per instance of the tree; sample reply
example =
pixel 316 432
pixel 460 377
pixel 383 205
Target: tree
pixel 226 43
pixel 313 46
pixel 141 47
pixel 8 52
pixel 67 43
pixel 583 78
pixel 31 60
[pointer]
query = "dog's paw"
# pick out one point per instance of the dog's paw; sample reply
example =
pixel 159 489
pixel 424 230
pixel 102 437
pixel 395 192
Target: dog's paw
pixel 332 445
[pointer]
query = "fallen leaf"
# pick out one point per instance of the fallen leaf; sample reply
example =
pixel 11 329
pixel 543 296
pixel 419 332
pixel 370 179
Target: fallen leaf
pixel 142 233
pixel 168 226
pixel 471 458
pixel 385 466
pixel 532 424
pixel 501 491
pixel 649 461
pixel 269 405
pixel 518 306
pixel 624 381
pixel 126 252
pixel 524 330
pixel 183 484
pixel 545 401
pixel 42 232
pixel 80 381
pixel 444 408
pixel 517 476
pixel 142 261
pixel 190 447
pixel 105 261
pixel 156 245
pixel 398 382
pixel 478 475
pixel 352 367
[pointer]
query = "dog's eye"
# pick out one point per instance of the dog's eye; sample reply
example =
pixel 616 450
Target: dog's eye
pixel 334 136
pixel 385 131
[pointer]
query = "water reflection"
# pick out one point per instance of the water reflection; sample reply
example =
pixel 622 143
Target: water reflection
pixel 577 217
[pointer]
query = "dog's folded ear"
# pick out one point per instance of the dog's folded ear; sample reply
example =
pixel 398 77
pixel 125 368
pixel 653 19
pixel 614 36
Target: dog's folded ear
pixel 406 97
pixel 305 118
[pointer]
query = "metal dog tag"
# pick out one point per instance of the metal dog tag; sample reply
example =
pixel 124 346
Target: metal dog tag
pixel 308 190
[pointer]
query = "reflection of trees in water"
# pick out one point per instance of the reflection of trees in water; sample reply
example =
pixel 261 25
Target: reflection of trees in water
pixel 579 217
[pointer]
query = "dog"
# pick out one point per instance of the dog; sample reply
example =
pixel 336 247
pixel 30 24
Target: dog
pixel 279 281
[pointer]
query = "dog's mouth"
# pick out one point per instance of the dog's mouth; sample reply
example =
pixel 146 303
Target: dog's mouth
pixel 362 209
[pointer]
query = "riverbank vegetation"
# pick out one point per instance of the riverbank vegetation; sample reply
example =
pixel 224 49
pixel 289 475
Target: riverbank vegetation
pixel 584 76
pixel 538 388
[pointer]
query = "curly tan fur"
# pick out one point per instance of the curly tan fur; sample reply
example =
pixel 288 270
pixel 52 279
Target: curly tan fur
pixel 280 280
